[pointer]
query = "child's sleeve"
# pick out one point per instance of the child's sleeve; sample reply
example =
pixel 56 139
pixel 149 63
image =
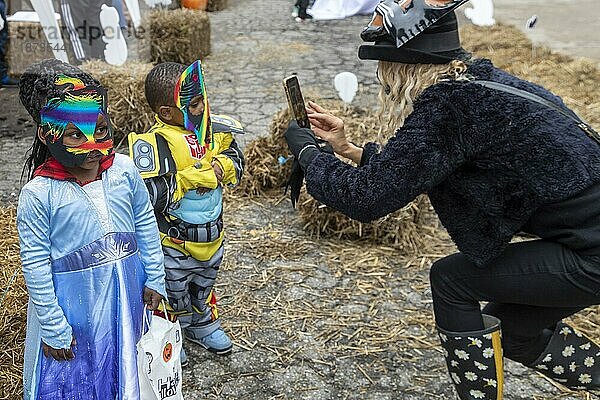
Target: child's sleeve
pixel 168 189
pixel 33 224
pixel 202 175
pixel 147 236
pixel 230 158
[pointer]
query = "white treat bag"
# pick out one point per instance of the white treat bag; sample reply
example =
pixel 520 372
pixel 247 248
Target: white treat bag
pixel 159 366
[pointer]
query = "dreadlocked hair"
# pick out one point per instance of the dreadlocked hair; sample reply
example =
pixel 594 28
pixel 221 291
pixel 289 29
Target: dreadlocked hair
pixel 36 87
pixel 160 83
pixel 402 83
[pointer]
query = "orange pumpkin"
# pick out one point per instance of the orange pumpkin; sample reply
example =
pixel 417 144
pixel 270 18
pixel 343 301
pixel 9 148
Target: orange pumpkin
pixel 195 4
pixel 168 352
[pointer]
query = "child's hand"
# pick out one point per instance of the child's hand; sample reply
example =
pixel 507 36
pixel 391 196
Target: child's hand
pixel 60 354
pixel 218 170
pixel 218 174
pixel 152 298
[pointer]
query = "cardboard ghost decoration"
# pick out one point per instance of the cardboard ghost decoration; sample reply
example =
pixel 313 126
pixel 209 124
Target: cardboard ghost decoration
pixel 115 51
pixel 482 12
pixel 346 84
pixel 133 6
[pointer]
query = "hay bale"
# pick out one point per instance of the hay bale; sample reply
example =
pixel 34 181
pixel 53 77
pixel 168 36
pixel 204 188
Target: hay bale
pixel 13 311
pixel 28 44
pixel 403 228
pixel 264 168
pixel 264 174
pixel 127 105
pixel 179 35
pixel 216 5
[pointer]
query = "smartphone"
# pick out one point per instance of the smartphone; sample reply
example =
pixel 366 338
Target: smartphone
pixel 296 101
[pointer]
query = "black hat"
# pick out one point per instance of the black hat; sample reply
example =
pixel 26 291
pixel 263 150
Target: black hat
pixel 413 32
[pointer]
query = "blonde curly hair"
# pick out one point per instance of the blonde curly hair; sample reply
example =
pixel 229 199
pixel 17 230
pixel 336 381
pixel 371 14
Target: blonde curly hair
pixel 402 83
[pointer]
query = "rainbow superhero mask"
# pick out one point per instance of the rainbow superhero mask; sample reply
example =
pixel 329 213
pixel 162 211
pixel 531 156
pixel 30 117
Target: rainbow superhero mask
pixel 80 107
pixel 191 85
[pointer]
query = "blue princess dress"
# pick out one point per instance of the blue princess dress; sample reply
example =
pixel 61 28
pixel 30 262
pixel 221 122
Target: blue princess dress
pixel 87 253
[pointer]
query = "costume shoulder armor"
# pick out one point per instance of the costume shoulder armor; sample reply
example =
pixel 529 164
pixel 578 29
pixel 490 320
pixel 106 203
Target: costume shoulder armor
pixel 226 124
pixel 150 154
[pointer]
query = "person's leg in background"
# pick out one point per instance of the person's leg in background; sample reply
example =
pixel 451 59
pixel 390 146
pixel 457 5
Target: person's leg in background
pixel 82 18
pixel 302 7
pixel 5 80
pixel 531 287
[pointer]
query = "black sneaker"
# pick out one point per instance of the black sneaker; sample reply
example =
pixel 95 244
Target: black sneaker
pixel 303 16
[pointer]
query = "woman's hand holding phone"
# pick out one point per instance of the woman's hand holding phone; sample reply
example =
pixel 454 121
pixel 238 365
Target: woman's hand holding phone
pixel 326 126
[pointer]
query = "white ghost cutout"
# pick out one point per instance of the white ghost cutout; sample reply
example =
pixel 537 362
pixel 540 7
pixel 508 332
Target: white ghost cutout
pixel 482 12
pixel 346 84
pixel 115 51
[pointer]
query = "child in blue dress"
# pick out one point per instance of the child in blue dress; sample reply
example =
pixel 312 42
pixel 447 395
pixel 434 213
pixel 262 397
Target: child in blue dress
pixel 89 244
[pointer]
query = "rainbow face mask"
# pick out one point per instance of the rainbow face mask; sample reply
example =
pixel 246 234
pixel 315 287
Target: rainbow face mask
pixel 191 85
pixel 80 106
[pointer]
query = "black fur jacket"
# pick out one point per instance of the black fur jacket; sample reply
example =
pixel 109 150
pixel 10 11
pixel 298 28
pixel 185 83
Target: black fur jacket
pixel 488 160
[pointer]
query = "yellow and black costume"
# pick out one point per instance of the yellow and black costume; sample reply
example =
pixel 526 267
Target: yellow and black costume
pixel 174 165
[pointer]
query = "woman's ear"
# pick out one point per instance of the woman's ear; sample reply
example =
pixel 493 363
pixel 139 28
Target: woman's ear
pixel 40 133
pixel 165 113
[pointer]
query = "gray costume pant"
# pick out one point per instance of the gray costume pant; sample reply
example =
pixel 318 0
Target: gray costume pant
pixel 190 289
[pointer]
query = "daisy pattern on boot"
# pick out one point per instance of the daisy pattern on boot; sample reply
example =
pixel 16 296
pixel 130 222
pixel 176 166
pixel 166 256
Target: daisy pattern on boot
pixel 490 382
pixel 573 366
pixel 565 331
pixel 568 351
pixel 480 366
pixel 558 370
pixel 463 355
pixel 586 346
pixel 589 362
pixel 488 352
pixel 471 376
pixel 585 378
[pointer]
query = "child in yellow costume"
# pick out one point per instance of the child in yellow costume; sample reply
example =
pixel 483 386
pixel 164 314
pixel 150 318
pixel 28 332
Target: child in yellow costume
pixel 186 158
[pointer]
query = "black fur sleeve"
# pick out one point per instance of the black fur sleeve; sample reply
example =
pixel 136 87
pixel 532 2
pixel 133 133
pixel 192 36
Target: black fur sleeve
pixel 369 150
pixel 422 153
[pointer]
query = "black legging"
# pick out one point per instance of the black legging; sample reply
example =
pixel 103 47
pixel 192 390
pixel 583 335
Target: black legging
pixel 530 287
pixel 303 6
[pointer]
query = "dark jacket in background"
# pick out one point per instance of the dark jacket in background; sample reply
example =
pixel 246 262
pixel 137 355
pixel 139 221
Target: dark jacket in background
pixel 488 160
